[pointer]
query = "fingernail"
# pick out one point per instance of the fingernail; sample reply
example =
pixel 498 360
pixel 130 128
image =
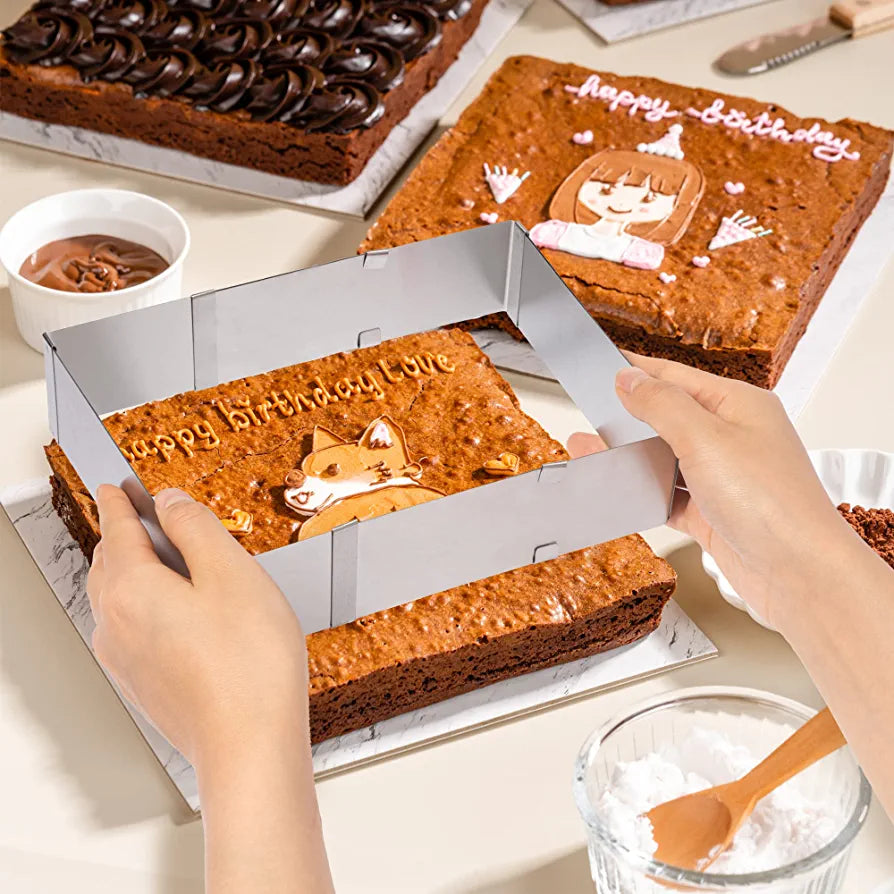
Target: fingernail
pixel 627 379
pixel 168 497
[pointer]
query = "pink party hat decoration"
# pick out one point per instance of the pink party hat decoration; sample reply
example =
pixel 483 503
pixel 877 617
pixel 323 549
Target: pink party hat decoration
pixel 502 184
pixel 668 145
pixel 735 229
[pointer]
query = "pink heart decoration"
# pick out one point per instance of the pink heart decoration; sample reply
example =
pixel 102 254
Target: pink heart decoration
pixel 584 138
pixel 701 261
pixel 734 188
pixel 667 277
pixel 489 218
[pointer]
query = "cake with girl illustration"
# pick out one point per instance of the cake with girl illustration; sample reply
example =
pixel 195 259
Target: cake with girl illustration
pixel 691 225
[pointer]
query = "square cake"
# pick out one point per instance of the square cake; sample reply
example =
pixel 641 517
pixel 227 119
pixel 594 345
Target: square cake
pixel 292 453
pixel 693 226
pixel 301 88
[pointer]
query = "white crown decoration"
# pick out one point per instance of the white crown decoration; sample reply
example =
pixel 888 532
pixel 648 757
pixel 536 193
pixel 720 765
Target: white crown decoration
pixel 502 184
pixel 735 229
pixel 668 145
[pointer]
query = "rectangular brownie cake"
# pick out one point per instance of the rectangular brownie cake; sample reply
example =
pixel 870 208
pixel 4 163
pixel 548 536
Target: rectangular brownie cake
pixel 698 227
pixel 301 88
pixel 307 447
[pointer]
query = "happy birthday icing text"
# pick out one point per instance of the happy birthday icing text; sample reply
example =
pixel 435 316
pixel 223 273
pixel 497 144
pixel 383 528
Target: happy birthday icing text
pixel 826 146
pixel 244 413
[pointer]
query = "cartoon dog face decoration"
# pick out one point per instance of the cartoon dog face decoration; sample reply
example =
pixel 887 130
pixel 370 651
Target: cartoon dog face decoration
pixel 341 480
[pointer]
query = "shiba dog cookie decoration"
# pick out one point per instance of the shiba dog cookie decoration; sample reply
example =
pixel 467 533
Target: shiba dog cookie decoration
pixel 339 480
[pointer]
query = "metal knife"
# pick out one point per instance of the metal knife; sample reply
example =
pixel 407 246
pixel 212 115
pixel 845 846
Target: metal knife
pixel 853 18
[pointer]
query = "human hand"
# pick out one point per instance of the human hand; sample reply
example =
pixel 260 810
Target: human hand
pixel 213 659
pixel 218 663
pixel 754 501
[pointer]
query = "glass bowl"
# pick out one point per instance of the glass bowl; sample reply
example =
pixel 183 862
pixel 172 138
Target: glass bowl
pixel 750 717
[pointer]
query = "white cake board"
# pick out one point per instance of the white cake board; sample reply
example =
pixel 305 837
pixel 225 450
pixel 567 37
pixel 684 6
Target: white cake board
pixel 354 199
pixel 614 23
pixel 864 262
pixel 677 641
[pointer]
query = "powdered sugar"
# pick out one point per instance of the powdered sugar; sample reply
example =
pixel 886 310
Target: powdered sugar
pixel 786 826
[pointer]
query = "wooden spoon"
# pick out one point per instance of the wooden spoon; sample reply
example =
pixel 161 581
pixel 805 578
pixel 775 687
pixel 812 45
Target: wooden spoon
pixel 693 831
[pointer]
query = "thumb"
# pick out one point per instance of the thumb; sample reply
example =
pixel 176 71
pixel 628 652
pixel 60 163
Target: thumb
pixel 196 531
pixel 675 415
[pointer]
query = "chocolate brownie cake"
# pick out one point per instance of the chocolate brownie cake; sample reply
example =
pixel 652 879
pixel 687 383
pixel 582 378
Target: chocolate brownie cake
pixel 698 227
pixel 875 526
pixel 443 645
pixel 292 453
pixel 301 88
pixel 354 435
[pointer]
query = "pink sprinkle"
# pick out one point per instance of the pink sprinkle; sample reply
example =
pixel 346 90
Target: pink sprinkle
pixel 667 277
pixel 489 218
pixel 734 188
pixel 584 138
pixel 468 204
pixel 701 261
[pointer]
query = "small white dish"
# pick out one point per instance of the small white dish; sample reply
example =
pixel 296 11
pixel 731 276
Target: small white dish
pixel 855 476
pixel 113 212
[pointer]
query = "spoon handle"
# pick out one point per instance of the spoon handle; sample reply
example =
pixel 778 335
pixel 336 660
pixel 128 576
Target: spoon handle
pixel 817 738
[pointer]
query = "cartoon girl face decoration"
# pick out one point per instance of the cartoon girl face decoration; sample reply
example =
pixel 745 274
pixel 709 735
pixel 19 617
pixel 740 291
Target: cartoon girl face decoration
pixel 624 206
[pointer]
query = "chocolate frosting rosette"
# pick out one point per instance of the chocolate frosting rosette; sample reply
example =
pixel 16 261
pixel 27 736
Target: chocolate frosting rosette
pixel 223 86
pixel 412 30
pixel 108 55
pixel 374 63
pixel 341 107
pixel 304 45
pixel 282 94
pixel 47 36
pixel 163 72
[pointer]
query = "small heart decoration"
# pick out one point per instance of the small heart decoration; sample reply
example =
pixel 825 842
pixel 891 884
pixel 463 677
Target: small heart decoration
pixel 583 138
pixel 239 522
pixel 701 261
pixel 667 277
pixel 504 464
pixel 734 189
pixel 489 217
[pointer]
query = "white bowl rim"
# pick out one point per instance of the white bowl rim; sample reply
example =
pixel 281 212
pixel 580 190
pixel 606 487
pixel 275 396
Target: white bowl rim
pixel 94 296
pixel 664 871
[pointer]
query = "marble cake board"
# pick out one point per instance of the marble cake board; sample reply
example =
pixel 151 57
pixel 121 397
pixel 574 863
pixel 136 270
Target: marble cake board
pixel 355 199
pixel 615 23
pixel 676 642
pixel 863 264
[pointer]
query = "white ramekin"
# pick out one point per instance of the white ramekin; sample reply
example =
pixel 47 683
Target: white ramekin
pixel 111 212
pixel 855 476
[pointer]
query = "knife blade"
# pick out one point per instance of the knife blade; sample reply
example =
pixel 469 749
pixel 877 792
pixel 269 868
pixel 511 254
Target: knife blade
pixel 855 18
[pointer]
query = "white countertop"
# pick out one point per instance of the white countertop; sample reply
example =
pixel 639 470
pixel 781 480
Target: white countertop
pixel 85 806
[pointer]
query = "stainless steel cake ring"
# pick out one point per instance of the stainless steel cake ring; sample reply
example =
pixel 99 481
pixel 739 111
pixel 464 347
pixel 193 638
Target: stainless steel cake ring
pixel 214 337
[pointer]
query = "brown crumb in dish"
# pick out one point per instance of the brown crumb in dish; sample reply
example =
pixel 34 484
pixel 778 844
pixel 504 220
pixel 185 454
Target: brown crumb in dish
pixel 875 526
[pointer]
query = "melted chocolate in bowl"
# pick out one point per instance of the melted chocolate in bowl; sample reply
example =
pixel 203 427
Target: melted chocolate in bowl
pixel 92 263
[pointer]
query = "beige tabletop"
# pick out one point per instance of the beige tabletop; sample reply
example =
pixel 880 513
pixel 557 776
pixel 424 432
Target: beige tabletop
pixel 85 807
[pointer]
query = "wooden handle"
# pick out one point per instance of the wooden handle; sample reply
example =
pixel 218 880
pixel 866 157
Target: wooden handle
pixel 817 738
pixel 863 16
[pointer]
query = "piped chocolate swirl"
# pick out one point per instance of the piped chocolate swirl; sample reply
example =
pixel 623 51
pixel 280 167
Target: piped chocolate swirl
pixel 321 65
